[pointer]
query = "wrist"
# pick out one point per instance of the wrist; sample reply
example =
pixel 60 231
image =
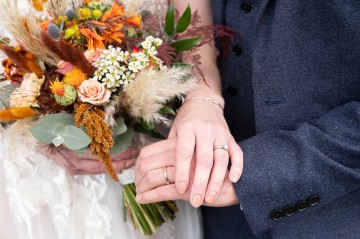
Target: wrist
pixel 208 93
pixel 207 99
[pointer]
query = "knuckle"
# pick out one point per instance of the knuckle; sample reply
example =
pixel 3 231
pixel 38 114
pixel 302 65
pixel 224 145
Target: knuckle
pixel 185 153
pixel 222 160
pixel 142 154
pixel 143 167
pixel 204 161
pixel 185 125
pixel 182 174
pixel 198 188
pixel 211 125
pixel 163 191
pixel 98 167
pixel 149 178
pixel 215 185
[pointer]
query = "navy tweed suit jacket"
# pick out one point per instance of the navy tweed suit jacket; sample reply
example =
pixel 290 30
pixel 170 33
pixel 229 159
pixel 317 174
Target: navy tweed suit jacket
pixel 292 93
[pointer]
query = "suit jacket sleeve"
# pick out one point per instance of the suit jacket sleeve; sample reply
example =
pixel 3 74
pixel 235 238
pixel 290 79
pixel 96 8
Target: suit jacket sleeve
pixel 281 168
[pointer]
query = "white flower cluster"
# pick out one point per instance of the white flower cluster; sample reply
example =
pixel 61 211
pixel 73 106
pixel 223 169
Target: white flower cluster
pixel 118 68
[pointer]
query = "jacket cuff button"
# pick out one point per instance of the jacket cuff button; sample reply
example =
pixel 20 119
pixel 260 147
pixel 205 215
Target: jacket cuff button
pixel 301 206
pixel 289 210
pixel 277 215
pixel 313 200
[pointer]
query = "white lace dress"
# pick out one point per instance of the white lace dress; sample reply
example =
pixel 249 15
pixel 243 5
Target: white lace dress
pixel 38 200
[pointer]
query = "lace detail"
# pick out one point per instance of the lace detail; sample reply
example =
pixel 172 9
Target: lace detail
pixel 35 185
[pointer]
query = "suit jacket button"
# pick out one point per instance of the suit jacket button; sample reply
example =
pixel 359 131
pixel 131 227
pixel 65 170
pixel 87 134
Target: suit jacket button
pixel 237 50
pixel 313 200
pixel 301 206
pixel 277 215
pixel 289 210
pixel 245 7
pixel 231 91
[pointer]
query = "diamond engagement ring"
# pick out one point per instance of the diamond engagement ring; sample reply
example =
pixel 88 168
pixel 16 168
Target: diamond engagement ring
pixel 166 176
pixel 222 146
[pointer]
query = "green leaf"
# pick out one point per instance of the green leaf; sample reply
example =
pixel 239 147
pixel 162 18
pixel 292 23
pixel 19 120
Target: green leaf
pixel 146 125
pixel 59 140
pixel 5 93
pixel 150 132
pixel 180 64
pixel 166 110
pixel 122 142
pixel 186 44
pixel 170 20
pixel 46 132
pixel 184 20
pixel 75 138
pixel 61 118
pixel 120 127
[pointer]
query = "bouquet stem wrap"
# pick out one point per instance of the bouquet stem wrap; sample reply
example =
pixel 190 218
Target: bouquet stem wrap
pixel 145 217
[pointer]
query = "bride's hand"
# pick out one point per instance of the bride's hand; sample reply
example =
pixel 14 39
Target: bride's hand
pixel 87 163
pixel 151 183
pixel 200 127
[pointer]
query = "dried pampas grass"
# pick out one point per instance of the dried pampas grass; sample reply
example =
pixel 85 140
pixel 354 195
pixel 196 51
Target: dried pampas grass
pixel 19 136
pixel 59 7
pixel 25 30
pixel 150 91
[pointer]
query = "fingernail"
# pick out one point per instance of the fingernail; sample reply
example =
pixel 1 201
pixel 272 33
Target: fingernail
pixel 211 197
pixel 235 177
pixel 138 198
pixel 135 152
pixel 196 201
pixel 182 188
pixel 129 164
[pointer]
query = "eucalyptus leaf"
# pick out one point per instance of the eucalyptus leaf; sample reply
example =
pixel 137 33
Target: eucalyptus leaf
pixel 75 138
pixel 46 132
pixel 186 44
pixel 184 20
pixel 122 142
pixel 58 140
pixel 120 127
pixel 166 110
pixel 5 93
pixel 170 20
pixel 62 118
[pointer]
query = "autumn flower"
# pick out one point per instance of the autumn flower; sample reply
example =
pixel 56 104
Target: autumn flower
pixel 26 95
pixel 57 87
pixel 75 77
pixel 93 92
pixel 92 55
pixel 64 93
pixel 64 67
pixel 134 21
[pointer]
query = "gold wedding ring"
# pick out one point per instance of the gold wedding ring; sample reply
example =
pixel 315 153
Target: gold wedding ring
pixel 166 176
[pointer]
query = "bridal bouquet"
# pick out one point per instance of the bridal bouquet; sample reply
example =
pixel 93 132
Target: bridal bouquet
pixel 91 74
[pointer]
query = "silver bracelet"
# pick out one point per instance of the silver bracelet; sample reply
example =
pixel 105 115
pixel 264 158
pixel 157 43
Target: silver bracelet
pixel 210 100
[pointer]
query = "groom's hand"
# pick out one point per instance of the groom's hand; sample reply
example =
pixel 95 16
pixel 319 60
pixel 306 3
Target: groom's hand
pixel 151 182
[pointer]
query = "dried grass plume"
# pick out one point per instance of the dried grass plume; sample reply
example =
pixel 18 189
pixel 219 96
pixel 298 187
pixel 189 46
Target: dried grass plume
pixel 151 89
